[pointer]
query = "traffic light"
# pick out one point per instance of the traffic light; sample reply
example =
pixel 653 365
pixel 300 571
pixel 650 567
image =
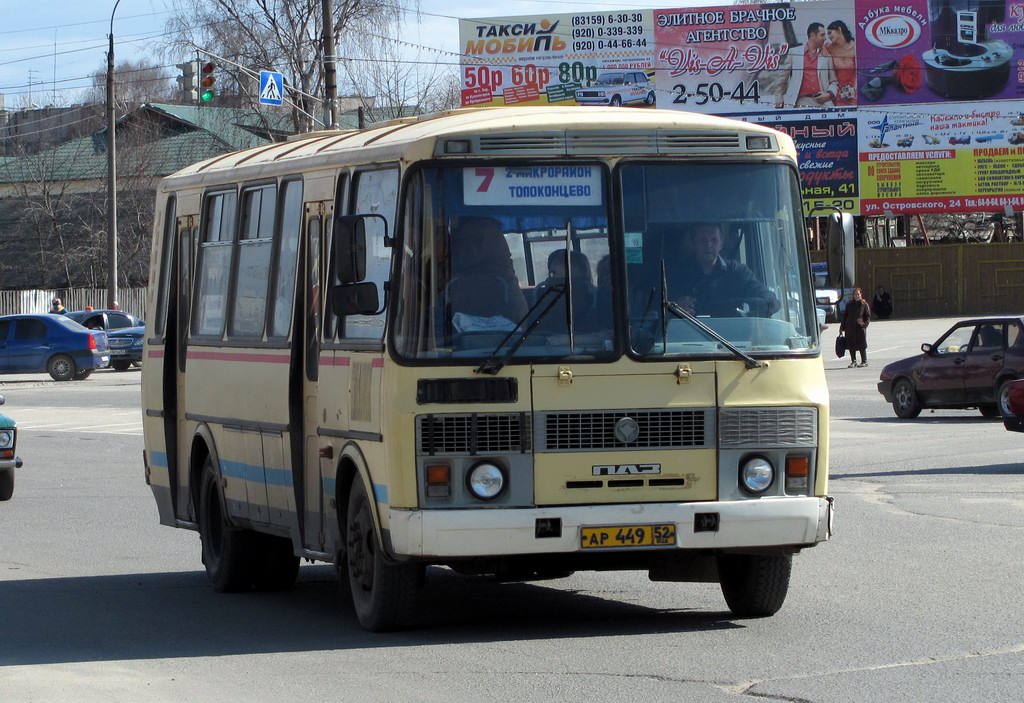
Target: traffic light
pixel 207 88
pixel 188 78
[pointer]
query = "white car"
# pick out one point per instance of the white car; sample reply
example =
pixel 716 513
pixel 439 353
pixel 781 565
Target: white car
pixel 618 88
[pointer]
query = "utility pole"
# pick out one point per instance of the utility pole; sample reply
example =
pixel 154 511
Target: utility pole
pixel 111 173
pixel 330 67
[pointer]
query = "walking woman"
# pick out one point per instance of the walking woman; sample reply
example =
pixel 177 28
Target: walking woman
pixel 854 326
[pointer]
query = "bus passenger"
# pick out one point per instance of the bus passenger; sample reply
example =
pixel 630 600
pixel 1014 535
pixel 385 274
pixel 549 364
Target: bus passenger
pixel 484 282
pixel 709 284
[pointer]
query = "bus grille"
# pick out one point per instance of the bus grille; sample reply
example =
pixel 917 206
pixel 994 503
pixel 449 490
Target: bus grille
pixel 658 429
pixel 473 434
pixel 768 427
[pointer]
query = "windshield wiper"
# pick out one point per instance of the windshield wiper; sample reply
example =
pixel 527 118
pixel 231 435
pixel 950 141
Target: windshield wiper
pixel 680 312
pixel 493 365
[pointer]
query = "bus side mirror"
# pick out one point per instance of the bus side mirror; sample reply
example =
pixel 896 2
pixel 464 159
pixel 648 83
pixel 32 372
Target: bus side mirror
pixel 350 248
pixel 355 299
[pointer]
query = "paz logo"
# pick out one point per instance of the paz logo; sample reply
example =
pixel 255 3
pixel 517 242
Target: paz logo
pixel 892 31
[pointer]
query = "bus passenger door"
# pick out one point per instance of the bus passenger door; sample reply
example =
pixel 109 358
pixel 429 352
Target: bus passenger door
pixel 175 402
pixel 309 500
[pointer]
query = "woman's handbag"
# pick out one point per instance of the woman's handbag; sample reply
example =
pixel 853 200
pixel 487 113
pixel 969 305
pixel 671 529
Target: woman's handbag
pixel 841 346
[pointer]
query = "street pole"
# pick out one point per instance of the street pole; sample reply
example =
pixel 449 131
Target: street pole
pixel 111 173
pixel 330 67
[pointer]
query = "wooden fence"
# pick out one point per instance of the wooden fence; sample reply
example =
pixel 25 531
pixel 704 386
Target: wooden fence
pixel 14 302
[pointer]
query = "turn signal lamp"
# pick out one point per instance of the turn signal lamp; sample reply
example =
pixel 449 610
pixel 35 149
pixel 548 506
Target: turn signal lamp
pixel 438 481
pixel 797 471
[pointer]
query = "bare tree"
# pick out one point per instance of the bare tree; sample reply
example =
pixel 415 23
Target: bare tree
pixel 135 83
pixel 245 36
pixel 398 78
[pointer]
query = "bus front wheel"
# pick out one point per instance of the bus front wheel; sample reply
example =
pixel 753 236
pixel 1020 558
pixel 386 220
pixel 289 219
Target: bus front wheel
pixel 384 594
pixel 754 585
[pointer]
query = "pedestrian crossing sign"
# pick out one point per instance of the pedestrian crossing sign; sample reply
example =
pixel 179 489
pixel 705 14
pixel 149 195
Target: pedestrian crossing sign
pixel 271 88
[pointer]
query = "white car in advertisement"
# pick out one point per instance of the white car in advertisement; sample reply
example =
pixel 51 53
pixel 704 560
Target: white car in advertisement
pixel 618 88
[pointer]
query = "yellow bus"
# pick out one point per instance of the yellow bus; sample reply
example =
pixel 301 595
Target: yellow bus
pixel 513 342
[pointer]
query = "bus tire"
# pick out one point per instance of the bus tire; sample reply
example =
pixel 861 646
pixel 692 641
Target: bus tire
pixel 227 550
pixel 384 594
pixel 275 565
pixel 754 585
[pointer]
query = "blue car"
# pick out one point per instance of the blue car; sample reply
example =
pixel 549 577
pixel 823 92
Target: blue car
pixel 125 347
pixel 52 343
pixel 9 461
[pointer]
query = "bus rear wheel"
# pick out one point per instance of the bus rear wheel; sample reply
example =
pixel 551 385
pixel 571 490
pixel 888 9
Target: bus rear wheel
pixel 754 585
pixel 227 550
pixel 384 594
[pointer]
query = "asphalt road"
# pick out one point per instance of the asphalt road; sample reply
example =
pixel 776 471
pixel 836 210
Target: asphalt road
pixel 915 598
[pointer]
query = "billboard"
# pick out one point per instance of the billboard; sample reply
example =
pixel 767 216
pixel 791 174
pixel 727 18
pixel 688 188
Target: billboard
pixel 908 107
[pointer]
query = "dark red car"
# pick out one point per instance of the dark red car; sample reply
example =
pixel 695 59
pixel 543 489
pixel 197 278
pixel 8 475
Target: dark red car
pixel 1015 401
pixel 970 366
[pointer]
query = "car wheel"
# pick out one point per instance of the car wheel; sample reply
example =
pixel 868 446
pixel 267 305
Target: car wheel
pixel 754 585
pixel 650 98
pixel 384 594
pixel 121 365
pixel 1003 399
pixel 989 410
pixel 84 374
pixel 61 367
pixel 616 101
pixel 6 485
pixel 227 550
pixel 904 400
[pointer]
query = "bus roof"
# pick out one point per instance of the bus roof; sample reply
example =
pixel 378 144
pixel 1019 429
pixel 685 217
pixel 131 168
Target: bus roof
pixel 394 138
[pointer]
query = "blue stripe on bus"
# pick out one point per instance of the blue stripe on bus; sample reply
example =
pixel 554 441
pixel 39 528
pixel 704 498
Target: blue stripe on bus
pixel 256 474
pixel 158 459
pixel 380 491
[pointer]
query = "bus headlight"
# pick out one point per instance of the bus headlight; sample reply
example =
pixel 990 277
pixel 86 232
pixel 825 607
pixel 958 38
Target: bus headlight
pixel 6 439
pixel 486 481
pixel 757 474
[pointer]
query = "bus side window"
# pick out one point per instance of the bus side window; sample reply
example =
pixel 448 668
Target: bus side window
pixel 166 260
pixel 376 192
pixel 213 272
pixel 287 246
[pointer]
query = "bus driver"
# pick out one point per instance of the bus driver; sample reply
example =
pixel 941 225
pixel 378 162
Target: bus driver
pixel 708 281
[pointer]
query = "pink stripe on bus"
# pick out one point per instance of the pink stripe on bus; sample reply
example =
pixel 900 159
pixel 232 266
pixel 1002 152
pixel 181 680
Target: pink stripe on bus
pixel 239 356
pixel 335 361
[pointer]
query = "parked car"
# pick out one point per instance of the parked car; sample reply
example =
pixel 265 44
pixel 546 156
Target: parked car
pixel 9 460
pixel 1015 404
pixel 55 344
pixel 618 88
pixel 125 347
pixel 105 319
pixel 970 366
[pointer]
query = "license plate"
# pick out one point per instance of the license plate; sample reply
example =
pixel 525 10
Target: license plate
pixel 118 352
pixel 626 536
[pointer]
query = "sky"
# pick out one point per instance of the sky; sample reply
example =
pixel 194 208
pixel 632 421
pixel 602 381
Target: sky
pixel 48 57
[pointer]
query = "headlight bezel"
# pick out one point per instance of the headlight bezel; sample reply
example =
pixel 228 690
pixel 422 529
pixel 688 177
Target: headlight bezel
pixel 495 470
pixel 757 474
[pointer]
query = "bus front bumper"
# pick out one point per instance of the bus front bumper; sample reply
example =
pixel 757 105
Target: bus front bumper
pixel 767 522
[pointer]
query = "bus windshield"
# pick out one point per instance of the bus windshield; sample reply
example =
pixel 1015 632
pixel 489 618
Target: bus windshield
pixel 717 244
pixel 517 262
